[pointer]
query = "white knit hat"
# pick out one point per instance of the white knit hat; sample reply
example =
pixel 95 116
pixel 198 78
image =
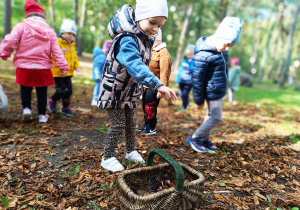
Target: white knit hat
pixel 68 25
pixel 230 29
pixel 159 35
pixel 150 8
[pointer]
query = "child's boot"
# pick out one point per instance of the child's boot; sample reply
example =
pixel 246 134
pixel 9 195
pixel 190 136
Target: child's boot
pixel 141 127
pixel 51 105
pixel 210 147
pixel 112 164
pixel 134 156
pixel 26 115
pixel 148 131
pixel 196 144
pixel 94 102
pixel 43 118
pixel 67 111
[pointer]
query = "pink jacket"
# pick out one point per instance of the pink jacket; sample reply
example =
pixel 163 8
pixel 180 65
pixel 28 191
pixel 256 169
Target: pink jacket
pixel 35 41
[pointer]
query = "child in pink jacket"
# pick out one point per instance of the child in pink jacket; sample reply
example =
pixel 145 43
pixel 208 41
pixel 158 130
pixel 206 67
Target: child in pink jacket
pixel 35 42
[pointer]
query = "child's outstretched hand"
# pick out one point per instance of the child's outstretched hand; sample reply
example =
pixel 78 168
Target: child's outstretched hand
pixel 163 91
pixel 64 50
pixel 78 70
pixel 63 73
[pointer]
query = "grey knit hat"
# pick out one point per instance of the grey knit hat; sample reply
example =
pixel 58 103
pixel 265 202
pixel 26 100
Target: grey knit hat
pixel 68 25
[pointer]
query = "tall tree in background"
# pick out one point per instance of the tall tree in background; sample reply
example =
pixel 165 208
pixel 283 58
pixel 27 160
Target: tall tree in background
pixel 7 17
pixel 254 46
pixel 285 69
pixel 189 10
pixel 265 53
pixel 51 9
pixel 222 10
pixel 281 8
pixel 75 7
pixel 81 24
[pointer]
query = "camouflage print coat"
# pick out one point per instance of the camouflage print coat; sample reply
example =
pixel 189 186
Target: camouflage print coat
pixel 126 67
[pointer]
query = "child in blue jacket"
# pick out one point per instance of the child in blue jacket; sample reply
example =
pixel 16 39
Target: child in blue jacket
pixel 99 59
pixel 184 76
pixel 126 70
pixel 210 80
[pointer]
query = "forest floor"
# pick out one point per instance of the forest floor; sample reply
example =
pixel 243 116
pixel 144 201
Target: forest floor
pixel 56 165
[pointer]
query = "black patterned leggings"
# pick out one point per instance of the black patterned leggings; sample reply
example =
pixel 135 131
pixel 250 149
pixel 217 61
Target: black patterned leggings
pixel 120 119
pixel 64 90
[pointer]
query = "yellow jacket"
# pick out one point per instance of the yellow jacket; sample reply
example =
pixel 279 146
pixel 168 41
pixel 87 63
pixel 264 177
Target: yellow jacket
pixel 70 56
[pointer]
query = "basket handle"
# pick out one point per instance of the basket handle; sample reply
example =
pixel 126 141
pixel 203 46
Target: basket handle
pixel 178 170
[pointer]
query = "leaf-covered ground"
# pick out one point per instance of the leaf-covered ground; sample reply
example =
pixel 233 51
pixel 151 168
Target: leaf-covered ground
pixel 56 165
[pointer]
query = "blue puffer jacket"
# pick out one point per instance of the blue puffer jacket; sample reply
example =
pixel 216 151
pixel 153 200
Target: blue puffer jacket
pixel 185 72
pixel 210 72
pixel 99 60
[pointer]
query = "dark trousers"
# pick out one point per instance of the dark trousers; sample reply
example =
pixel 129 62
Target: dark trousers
pixel 150 104
pixel 185 90
pixel 41 93
pixel 64 90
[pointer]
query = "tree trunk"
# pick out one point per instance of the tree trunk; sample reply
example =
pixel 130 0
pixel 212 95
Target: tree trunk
pixel 81 24
pixel 185 25
pixel 272 58
pixel 51 3
pixel 255 44
pixel 265 54
pixel 285 69
pixel 222 10
pixel 279 62
pixel 279 34
pixel 7 17
pixel 75 7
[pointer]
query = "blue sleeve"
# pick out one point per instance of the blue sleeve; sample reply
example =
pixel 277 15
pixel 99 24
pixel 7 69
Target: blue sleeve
pixel 179 74
pixel 129 56
pixel 99 64
pixel 199 78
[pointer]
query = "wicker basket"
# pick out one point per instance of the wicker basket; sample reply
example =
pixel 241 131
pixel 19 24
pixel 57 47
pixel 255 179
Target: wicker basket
pixel 183 196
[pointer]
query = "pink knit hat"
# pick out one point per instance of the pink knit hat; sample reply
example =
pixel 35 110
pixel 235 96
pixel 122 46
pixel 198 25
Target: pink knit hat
pixel 106 45
pixel 234 61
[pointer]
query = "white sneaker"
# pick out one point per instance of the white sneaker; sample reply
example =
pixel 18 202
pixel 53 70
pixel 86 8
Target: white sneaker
pixel 112 164
pixel 43 118
pixel 26 115
pixel 94 103
pixel 134 156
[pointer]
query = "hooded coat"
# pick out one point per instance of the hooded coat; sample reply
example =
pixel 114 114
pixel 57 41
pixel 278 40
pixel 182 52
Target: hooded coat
pixel 70 56
pixel 35 42
pixel 210 72
pixel 99 60
pixel 126 67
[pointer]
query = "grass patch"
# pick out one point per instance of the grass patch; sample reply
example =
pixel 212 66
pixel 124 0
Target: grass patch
pixel 290 99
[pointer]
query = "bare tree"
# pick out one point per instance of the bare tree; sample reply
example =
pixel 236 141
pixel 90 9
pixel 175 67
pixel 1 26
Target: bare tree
pixel 281 8
pixel 51 3
pixel 75 7
pixel 283 75
pixel 81 24
pixel 189 10
pixel 7 17
pixel 222 9
pixel 265 53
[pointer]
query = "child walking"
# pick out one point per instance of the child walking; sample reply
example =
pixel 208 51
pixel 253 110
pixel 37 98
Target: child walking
pixel 210 79
pixel 99 56
pixel 35 42
pixel 234 78
pixel 63 85
pixel 184 77
pixel 126 70
pixel 160 66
